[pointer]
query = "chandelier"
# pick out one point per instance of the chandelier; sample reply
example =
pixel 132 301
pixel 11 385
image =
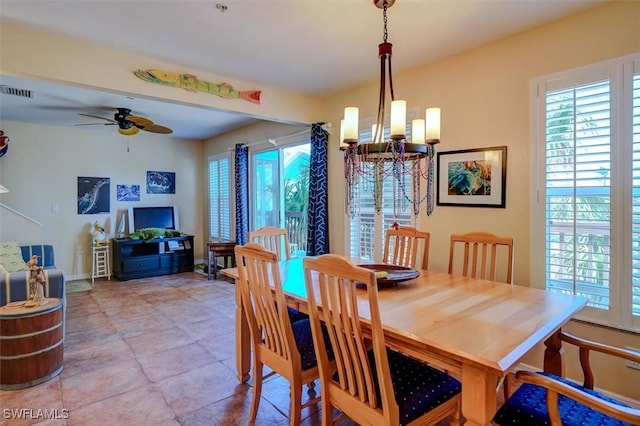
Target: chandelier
pixel 395 164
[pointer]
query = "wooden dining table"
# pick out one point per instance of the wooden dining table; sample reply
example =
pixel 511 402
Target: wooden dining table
pixel 477 330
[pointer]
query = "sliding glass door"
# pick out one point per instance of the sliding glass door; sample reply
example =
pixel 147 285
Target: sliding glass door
pixel 280 190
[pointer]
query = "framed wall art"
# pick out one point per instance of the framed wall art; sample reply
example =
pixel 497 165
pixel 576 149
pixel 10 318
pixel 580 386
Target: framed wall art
pixel 128 192
pixel 93 195
pixel 161 182
pixel 473 177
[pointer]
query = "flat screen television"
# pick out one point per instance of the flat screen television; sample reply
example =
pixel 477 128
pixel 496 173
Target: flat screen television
pixel 153 217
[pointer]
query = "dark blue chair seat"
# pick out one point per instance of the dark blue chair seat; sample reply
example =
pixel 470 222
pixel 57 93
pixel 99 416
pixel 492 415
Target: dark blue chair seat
pixel 296 315
pixel 304 342
pixel 417 387
pixel 528 406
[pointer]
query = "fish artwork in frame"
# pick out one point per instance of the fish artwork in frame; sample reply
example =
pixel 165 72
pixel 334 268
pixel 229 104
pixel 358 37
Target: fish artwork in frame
pixel 473 177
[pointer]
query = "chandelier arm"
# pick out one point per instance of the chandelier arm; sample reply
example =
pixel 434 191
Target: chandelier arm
pixel 393 97
pixel 381 104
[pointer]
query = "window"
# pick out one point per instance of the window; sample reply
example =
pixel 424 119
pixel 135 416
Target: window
pixel 220 196
pixel 366 229
pixel 587 217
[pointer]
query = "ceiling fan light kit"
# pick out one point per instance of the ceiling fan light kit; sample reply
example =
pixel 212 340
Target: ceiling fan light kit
pixel 128 124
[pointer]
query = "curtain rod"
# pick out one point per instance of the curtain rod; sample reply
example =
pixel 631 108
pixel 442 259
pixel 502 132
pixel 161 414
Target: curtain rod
pixel 274 141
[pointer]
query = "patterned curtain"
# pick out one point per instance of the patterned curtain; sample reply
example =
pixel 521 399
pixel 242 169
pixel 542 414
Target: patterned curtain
pixel 242 194
pixel 318 219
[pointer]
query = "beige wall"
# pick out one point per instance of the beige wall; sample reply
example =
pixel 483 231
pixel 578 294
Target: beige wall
pixel 484 96
pixel 33 54
pixel 41 170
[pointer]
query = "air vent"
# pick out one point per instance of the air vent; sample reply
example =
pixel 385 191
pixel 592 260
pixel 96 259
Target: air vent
pixel 23 93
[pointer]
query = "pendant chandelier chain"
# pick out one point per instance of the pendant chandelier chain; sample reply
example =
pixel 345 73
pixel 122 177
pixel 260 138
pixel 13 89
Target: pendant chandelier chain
pixel 385 34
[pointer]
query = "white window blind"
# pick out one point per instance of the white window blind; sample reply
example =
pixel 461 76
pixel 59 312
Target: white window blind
pixel 635 123
pixel 220 197
pixel 586 221
pixel 366 228
pixel 578 191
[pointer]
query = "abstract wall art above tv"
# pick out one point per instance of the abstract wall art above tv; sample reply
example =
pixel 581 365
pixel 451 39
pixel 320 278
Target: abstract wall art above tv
pixel 161 182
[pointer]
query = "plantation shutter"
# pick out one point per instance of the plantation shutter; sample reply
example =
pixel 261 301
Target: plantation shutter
pixel 635 252
pixel 220 197
pixel 578 191
pixel 586 218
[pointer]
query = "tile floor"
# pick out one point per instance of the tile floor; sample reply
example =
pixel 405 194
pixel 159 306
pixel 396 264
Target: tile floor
pixel 153 351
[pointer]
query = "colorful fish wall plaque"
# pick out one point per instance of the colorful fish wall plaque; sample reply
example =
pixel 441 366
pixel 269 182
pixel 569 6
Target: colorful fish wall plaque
pixel 191 83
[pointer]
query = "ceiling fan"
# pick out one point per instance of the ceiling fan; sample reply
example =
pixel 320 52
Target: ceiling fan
pixel 128 124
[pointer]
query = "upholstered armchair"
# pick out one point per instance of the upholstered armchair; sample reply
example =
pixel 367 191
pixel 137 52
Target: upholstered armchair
pixel 14 285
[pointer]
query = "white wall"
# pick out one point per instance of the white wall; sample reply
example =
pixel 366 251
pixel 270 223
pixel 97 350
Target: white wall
pixel 43 164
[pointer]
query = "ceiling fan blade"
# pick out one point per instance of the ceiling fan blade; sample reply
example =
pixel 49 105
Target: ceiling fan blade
pixel 139 121
pixel 96 124
pixel 155 128
pixel 128 132
pixel 97 116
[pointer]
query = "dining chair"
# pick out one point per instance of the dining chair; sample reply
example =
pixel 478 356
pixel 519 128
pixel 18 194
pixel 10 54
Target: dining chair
pixel 286 347
pixel 478 253
pixel 545 398
pixel 369 383
pixel 273 239
pixel 402 244
pixel 479 257
pixel 276 240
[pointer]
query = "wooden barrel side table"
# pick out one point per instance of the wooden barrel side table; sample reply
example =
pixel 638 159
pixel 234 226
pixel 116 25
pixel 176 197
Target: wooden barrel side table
pixel 31 344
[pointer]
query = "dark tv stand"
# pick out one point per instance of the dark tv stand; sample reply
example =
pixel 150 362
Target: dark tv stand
pixel 148 258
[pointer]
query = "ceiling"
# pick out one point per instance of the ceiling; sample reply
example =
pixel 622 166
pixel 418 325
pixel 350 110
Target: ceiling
pixel 313 47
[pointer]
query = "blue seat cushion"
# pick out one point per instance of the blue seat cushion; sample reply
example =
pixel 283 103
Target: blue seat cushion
pixel 417 387
pixel 304 342
pixel 295 315
pixel 528 406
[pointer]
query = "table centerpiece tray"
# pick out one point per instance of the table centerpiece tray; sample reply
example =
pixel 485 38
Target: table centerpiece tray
pixel 393 274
